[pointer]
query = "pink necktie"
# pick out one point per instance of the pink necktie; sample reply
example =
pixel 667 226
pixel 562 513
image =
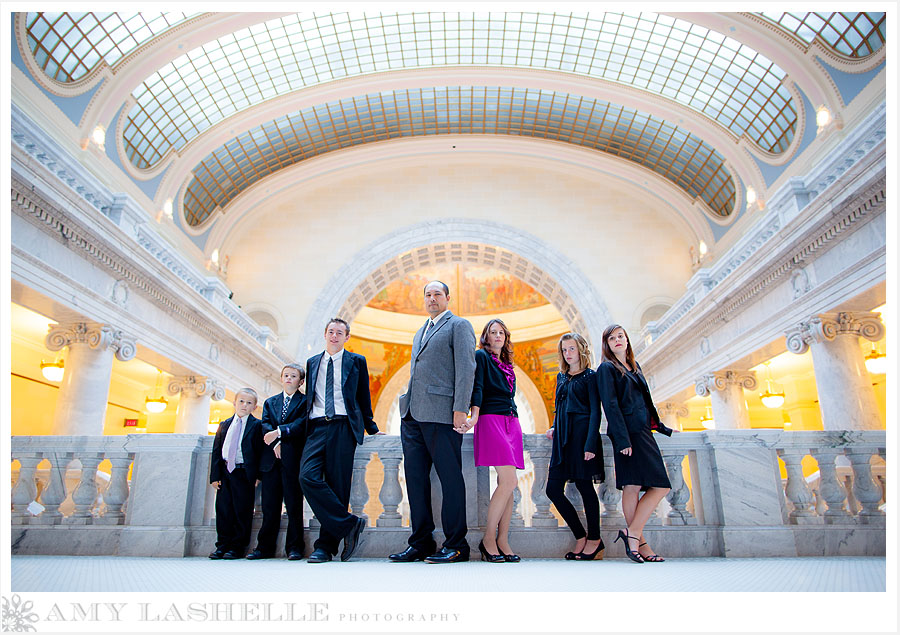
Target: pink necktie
pixel 233 448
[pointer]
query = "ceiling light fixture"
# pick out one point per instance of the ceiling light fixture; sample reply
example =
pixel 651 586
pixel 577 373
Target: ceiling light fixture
pixel 771 398
pixel 876 362
pixel 53 371
pixel 156 405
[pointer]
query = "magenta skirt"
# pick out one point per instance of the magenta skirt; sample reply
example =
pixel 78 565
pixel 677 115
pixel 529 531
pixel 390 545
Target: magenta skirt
pixel 498 441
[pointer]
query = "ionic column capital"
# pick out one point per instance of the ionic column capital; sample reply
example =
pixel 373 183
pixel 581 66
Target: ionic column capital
pixel 825 327
pixel 672 408
pixel 721 380
pixel 96 336
pixel 196 386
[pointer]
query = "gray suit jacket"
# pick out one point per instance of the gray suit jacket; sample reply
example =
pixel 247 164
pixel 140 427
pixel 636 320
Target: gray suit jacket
pixel 442 371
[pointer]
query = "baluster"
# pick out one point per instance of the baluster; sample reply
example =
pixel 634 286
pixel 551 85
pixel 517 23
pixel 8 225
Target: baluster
pixel 25 489
pixel 539 451
pixel 55 492
pixel 359 490
pixel 117 491
pixel 865 489
pixel 609 495
pixel 391 493
pixel 797 489
pixel 516 520
pixel 85 494
pixel 830 488
pixel 680 494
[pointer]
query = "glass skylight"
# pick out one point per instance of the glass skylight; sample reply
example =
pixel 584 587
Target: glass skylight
pixel 704 70
pixel 649 141
pixel 68 45
pixel 853 34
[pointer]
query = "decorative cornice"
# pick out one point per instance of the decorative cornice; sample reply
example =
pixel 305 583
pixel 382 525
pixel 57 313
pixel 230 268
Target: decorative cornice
pixel 196 386
pixel 721 379
pixel 799 195
pixel 825 327
pixel 61 164
pixel 97 336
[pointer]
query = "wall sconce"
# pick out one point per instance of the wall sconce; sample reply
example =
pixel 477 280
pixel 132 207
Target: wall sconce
pixel 771 399
pixel 876 362
pixel 98 136
pixel 156 404
pixel 823 117
pixel 706 420
pixel 53 371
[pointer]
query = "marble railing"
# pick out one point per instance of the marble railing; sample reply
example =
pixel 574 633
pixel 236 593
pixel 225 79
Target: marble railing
pixel 727 487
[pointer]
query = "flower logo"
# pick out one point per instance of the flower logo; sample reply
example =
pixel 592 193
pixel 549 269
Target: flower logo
pixel 17 615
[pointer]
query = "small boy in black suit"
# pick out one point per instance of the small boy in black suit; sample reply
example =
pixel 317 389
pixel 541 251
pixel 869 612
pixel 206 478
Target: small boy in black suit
pixel 232 471
pixel 280 469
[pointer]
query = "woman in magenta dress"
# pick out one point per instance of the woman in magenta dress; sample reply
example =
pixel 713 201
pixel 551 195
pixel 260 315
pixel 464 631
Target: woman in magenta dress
pixel 498 435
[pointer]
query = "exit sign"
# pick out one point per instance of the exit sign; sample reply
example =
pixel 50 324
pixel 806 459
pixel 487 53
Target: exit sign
pixel 130 423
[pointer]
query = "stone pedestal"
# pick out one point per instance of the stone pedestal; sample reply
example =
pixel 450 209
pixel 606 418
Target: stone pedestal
pixel 192 416
pixel 83 393
pixel 725 388
pixel 846 398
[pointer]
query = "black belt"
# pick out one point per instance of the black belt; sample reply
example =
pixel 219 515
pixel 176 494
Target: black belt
pixel 334 419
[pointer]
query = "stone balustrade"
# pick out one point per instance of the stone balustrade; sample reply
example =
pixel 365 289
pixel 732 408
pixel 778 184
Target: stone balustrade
pixel 729 496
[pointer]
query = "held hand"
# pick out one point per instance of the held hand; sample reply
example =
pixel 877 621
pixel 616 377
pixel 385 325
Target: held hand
pixel 589 455
pixel 277 451
pixel 216 484
pixel 549 434
pixel 626 451
pixel 459 422
pixel 379 432
pixel 270 437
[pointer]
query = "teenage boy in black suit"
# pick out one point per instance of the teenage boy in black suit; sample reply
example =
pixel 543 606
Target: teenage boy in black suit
pixel 280 469
pixel 232 471
pixel 339 409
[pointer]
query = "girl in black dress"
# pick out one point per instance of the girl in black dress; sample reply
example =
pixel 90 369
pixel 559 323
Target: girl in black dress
pixel 577 454
pixel 631 418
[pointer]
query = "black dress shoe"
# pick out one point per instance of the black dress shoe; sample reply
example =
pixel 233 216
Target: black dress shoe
pixel 293 554
pixel 232 555
pixel 319 555
pixel 410 554
pixel 218 554
pixel 351 540
pixel 448 555
pixel 256 554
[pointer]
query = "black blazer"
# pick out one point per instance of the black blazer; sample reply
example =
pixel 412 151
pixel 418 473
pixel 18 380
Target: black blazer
pixel 627 403
pixel 354 388
pixel 251 448
pixel 491 391
pixel 271 419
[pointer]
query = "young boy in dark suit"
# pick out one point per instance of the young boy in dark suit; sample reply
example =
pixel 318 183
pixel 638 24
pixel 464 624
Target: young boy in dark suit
pixel 232 471
pixel 280 469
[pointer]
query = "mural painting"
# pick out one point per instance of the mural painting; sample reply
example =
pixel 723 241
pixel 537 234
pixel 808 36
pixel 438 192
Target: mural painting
pixel 474 290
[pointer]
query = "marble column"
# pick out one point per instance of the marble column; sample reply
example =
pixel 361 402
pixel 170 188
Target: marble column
pixel 670 411
pixel 725 388
pixel 84 391
pixel 846 397
pixel 192 416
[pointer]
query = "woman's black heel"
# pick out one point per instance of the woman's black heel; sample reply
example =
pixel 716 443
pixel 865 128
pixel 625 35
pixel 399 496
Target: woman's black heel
pixel 591 556
pixel 489 557
pixel 509 557
pixel 653 557
pixel 633 555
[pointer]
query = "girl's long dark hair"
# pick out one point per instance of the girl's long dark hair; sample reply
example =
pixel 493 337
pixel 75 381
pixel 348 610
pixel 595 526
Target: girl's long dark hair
pixel 506 353
pixel 609 356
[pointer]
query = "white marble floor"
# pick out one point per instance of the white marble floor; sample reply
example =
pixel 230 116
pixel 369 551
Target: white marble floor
pixel 111 574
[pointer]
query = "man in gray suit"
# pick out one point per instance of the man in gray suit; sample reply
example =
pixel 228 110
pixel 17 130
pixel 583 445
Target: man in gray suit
pixel 433 411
